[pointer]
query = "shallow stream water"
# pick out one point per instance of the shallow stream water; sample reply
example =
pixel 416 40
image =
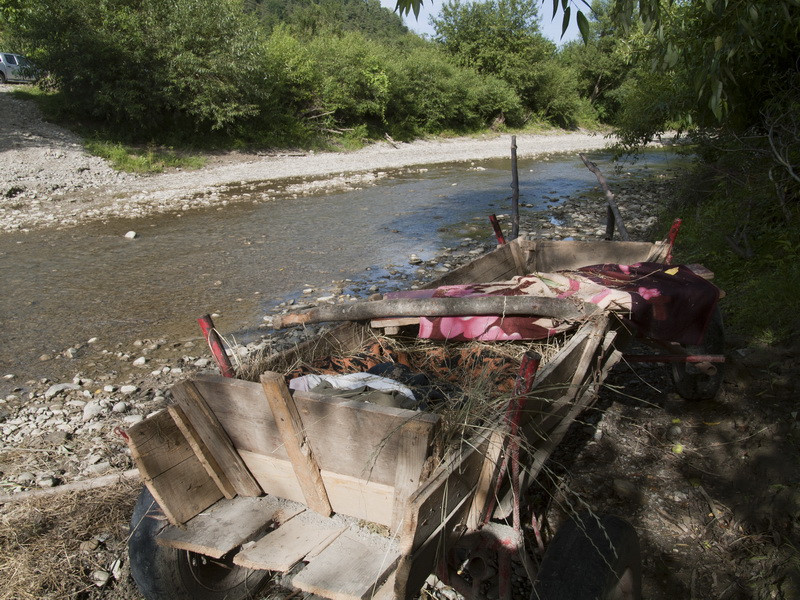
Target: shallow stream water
pixel 62 287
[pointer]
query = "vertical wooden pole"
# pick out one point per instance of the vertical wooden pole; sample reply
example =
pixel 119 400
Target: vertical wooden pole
pixel 514 190
pixel 610 224
pixel 612 204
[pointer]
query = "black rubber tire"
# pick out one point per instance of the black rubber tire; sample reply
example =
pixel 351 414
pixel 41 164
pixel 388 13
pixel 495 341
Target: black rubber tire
pixel 692 384
pixel 169 574
pixel 2 78
pixel 591 558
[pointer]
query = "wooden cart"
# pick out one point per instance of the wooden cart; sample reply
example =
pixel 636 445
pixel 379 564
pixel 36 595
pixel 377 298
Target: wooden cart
pixel 352 500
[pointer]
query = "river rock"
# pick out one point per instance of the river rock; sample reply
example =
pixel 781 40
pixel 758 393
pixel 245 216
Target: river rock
pixel 120 407
pixel 131 235
pixel 91 410
pixel 130 420
pixel 58 388
pixel 128 389
pixel 140 362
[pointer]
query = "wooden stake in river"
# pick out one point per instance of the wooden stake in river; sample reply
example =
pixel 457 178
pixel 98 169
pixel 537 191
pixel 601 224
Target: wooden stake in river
pixel 514 190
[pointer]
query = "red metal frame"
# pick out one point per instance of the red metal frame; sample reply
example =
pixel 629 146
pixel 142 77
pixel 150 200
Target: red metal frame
pixel 671 236
pixel 214 342
pixel 497 231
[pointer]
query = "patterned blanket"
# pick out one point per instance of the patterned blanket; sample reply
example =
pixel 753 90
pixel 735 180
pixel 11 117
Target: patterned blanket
pixel 662 302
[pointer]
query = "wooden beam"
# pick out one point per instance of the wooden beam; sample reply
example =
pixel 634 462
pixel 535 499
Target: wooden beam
pixel 290 425
pixel 488 475
pixel 201 452
pixel 437 307
pixel 216 439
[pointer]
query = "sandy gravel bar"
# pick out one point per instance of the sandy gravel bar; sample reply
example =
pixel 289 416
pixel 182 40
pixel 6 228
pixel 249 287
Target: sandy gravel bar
pixel 52 182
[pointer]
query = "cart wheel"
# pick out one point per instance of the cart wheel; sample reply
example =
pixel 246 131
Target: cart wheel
pixel 691 383
pixel 168 574
pixel 591 557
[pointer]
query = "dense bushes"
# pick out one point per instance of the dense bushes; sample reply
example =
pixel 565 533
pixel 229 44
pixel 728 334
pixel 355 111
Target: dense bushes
pixel 266 72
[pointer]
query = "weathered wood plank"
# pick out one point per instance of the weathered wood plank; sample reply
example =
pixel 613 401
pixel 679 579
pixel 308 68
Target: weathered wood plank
pixel 290 426
pixel 413 569
pixel 488 476
pixel 201 452
pixel 228 524
pixel 348 569
pixel 452 481
pixel 413 449
pixel 215 437
pixel 551 255
pixel 355 439
pixel 497 265
pixel 352 496
pixel 290 543
pixel 170 469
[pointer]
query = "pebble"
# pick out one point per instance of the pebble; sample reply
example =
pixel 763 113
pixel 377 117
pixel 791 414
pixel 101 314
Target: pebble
pixel 140 362
pixel 100 577
pixel 201 362
pixel 25 478
pixel 131 235
pixel 120 407
pixel 47 482
pixel 128 389
pixel 89 545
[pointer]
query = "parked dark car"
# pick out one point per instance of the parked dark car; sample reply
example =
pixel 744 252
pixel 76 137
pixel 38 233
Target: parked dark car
pixel 16 68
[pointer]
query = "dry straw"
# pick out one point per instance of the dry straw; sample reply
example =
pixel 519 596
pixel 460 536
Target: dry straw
pixel 41 552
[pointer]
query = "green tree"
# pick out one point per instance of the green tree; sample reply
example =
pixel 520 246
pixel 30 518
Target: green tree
pixel 502 38
pixel 147 65
pixel 603 61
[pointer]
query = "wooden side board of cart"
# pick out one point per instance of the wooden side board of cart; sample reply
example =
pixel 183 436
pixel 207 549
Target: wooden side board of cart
pixel 352 500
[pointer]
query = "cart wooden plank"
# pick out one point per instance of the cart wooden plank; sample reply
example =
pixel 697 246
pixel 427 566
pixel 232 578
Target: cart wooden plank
pixel 413 569
pixel 202 452
pixel 348 569
pixel 352 496
pixel 354 439
pixel 556 255
pixel 215 437
pixel 412 451
pixel 452 482
pixel 497 265
pixel 290 543
pixel 228 524
pixel 170 469
pixel 293 434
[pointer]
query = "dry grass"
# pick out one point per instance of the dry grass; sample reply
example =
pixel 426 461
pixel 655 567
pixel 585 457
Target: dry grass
pixel 40 543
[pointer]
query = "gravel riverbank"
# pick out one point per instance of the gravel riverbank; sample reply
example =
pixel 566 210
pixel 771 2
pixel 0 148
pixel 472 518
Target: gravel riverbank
pixel 50 181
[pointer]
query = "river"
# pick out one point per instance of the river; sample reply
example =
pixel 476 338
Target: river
pixel 63 287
